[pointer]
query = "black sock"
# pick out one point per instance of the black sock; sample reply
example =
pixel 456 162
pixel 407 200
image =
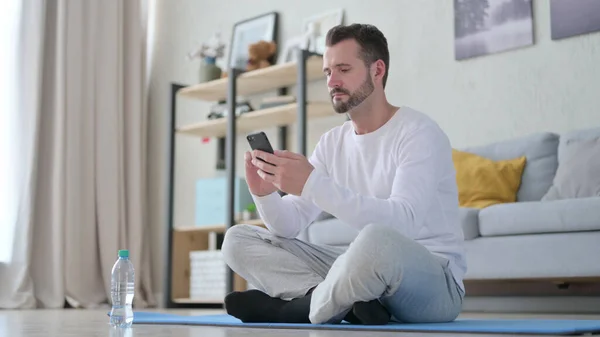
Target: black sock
pixel 296 310
pixel 350 318
pixel 254 306
pixel 370 313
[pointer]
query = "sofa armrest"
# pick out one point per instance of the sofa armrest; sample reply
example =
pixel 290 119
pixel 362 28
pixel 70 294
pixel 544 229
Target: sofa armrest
pixel 469 220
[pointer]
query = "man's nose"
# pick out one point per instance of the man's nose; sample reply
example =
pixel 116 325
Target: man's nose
pixel 333 81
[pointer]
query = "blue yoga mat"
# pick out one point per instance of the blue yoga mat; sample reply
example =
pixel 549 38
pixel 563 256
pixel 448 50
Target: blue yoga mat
pixel 515 326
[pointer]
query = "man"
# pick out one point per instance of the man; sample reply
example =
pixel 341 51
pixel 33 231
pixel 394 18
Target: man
pixel 387 172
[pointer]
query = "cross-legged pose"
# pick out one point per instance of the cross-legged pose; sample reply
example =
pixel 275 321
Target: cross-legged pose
pixel 387 172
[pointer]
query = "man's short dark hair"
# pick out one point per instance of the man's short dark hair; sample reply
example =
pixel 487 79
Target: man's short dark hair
pixel 371 40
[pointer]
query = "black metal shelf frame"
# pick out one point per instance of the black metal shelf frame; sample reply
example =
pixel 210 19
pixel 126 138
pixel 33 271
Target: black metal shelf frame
pixel 230 154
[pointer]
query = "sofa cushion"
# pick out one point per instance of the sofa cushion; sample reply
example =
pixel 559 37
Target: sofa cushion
pixel 578 174
pixel 575 136
pixel 537 217
pixel 547 256
pixel 541 152
pixel 333 231
pixel 483 182
pixel 468 218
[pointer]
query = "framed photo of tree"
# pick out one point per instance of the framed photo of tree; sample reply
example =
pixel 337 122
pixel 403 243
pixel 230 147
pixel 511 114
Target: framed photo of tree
pixel 483 27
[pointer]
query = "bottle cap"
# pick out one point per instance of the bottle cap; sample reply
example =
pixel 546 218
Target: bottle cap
pixel 123 253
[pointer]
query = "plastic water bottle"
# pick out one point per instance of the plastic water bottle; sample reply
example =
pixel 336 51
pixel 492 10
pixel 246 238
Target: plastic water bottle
pixel 122 291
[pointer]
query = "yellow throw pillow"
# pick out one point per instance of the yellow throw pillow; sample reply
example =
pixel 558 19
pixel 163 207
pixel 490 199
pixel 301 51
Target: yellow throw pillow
pixel 483 182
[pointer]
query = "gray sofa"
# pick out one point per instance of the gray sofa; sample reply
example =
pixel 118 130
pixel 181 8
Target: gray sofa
pixel 551 232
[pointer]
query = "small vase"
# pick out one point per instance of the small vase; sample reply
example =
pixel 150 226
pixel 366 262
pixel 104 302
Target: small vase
pixel 248 215
pixel 209 71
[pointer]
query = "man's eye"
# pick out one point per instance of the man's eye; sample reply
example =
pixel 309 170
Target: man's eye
pixel 345 70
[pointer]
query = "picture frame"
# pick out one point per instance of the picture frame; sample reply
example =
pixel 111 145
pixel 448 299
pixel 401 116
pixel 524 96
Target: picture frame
pixel 289 52
pixel 574 18
pixel 249 31
pixel 489 27
pixel 323 22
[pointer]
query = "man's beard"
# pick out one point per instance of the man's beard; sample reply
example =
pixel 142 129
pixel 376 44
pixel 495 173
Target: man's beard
pixel 354 99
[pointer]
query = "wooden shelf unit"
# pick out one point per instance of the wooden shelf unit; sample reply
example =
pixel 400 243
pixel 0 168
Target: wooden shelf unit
pixel 183 240
pixel 218 228
pixel 256 81
pixel 192 238
pixel 256 120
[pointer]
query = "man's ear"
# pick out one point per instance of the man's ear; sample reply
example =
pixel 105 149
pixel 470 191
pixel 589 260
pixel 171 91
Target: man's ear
pixel 378 68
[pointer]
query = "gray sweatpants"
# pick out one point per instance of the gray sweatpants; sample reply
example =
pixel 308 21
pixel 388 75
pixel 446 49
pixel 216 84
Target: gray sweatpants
pixel 413 284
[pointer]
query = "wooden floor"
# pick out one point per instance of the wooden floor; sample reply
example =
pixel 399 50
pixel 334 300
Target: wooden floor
pixel 88 323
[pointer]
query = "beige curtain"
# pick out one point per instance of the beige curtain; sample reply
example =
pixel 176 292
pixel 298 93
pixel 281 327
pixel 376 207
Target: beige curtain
pixel 85 98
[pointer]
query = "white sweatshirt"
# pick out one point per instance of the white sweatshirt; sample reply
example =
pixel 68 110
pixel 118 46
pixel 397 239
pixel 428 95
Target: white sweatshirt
pixel 401 175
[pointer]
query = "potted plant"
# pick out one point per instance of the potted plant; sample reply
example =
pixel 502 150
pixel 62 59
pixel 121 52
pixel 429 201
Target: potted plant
pixel 250 212
pixel 208 53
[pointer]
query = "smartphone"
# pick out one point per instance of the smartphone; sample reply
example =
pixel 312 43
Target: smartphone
pixel 260 141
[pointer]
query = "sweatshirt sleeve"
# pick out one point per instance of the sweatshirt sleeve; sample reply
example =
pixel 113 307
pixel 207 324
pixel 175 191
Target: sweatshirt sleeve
pixel 413 189
pixel 287 216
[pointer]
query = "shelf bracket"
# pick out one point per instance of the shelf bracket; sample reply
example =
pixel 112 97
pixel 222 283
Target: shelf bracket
pixel 174 88
pixel 303 55
pixel 230 140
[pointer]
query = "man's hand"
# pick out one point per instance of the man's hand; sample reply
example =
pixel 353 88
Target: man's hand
pixel 256 184
pixel 286 170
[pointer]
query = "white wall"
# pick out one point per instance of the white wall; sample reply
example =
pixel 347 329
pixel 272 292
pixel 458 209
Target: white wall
pixel 552 85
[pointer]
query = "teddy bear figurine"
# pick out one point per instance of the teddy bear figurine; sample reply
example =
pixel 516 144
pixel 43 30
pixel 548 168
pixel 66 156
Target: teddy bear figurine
pixel 259 54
